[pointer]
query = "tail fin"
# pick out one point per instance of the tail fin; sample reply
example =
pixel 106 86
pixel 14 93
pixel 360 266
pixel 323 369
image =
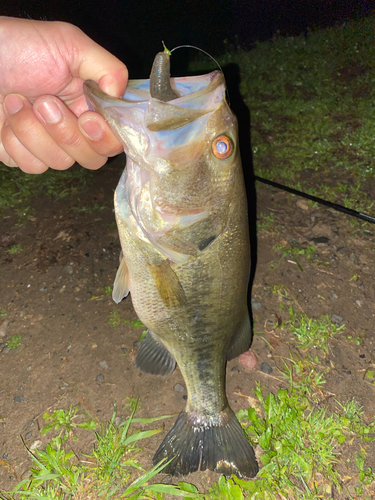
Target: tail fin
pixel 198 443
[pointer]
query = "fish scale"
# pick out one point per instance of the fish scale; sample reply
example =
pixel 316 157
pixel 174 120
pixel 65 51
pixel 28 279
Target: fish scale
pixel 181 211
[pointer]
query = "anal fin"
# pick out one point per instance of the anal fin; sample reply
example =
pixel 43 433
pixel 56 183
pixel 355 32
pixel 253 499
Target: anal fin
pixel 242 341
pixel 153 357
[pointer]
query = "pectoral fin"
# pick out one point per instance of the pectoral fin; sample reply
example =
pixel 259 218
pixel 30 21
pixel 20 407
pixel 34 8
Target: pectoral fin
pixel 168 285
pixel 120 286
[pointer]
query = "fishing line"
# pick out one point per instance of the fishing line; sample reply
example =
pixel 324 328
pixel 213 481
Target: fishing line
pixel 204 52
pixel 197 48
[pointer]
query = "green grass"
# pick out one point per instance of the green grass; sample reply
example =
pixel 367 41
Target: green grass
pixel 93 208
pixel 311 332
pixel 15 249
pixel 312 103
pixel 115 320
pixel 266 223
pixel 106 473
pixel 17 187
pixel 300 446
pixel 308 332
pixel 14 342
pixel 301 439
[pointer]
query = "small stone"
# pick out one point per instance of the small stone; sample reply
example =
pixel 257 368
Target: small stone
pixel 28 435
pixel 3 327
pixel 333 296
pixel 6 455
pixel 103 364
pixel 100 377
pixel 18 399
pixel 94 328
pixel 179 388
pixel 337 319
pixel 124 350
pixel 302 204
pixel 68 269
pixel 359 303
pixel 136 343
pixel 36 444
pixel 266 368
pixel 248 359
pixel 255 304
pixel 342 250
pixel 43 289
pixel 354 258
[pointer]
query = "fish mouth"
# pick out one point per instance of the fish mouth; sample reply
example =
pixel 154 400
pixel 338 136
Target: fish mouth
pixel 195 96
pixel 151 128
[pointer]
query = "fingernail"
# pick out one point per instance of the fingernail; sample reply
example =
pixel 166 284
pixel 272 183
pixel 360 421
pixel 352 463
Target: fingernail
pixel 93 129
pixel 50 111
pixel 13 103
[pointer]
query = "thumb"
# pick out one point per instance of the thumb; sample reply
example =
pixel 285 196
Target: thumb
pixel 93 62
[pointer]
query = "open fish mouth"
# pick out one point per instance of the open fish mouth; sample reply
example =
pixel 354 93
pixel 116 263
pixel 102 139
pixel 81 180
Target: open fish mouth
pixel 193 96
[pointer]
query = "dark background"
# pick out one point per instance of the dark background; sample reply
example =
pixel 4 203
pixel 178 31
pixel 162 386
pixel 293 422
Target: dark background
pixel 133 29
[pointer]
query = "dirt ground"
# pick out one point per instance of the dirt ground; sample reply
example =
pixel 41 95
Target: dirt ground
pixel 53 293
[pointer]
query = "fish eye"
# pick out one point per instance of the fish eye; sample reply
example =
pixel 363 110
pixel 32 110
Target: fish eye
pixel 222 147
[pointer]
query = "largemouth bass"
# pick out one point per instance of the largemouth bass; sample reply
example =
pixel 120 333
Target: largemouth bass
pixel 181 212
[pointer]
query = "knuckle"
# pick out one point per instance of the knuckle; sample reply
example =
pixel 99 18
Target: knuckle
pixel 60 160
pixel 71 138
pixel 32 165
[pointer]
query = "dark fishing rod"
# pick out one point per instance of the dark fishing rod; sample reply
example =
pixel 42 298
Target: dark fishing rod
pixel 329 204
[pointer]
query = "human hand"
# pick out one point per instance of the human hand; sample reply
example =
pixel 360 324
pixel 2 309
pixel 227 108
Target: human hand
pixel 44 118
